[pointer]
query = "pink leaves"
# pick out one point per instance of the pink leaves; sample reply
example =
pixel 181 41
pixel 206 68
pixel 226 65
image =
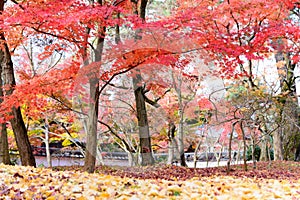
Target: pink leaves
pixel 232 30
pixel 205 104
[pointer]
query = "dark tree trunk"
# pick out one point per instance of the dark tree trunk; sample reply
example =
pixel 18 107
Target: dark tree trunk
pixel 180 134
pixel 144 135
pixel 4 151
pixel 297 154
pixel 21 137
pixel 17 122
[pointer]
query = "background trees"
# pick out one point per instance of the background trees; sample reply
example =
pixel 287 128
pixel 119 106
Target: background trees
pixel 82 52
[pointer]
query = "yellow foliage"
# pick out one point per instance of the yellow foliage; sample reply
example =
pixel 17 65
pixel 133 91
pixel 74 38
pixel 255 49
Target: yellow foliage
pixel 48 184
pixel 66 142
pixel 280 64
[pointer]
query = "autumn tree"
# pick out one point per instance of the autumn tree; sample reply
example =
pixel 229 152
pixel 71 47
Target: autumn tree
pixel 82 29
pixel 237 36
pixel 4 151
pixel 227 32
pixel 8 79
pixel 139 93
pixel 83 39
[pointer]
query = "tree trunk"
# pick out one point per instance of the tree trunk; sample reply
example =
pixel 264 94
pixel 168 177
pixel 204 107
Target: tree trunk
pixel 144 135
pixel 93 113
pixel 172 143
pixel 4 151
pixel 230 147
pixel 297 154
pixel 170 152
pixel 180 140
pixel 263 146
pixel 196 151
pixel 253 152
pixel 244 146
pixel 131 159
pixel 277 142
pixel 287 80
pixel 91 142
pixel 17 122
pixel 219 156
pixel 180 125
pixel 48 153
pixel 23 144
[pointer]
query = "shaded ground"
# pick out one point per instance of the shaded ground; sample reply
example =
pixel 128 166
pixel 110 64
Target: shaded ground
pixel 277 170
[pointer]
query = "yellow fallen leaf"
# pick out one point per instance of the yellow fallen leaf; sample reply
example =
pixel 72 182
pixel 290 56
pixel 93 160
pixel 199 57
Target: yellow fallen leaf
pixel 105 195
pixel 51 198
pixel 82 198
pixel 276 196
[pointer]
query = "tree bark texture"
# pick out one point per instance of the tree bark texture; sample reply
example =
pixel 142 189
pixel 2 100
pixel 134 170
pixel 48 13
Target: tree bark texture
pixel 264 149
pixel 173 147
pixel 180 139
pixel 297 154
pixel 93 113
pixel 4 151
pixel 91 143
pixel 17 122
pixel 47 145
pixel 180 135
pixel 277 142
pixel 144 134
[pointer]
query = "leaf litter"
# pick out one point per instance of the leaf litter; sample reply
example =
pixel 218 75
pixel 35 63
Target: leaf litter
pixel 19 182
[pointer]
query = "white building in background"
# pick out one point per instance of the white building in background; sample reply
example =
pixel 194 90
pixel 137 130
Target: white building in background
pixel 266 70
pixel 297 81
pixel 209 85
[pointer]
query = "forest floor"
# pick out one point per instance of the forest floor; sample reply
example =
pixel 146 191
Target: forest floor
pixel 278 180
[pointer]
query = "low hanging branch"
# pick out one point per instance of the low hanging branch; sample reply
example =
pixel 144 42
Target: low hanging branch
pixel 117 136
pixel 154 102
pixel 230 143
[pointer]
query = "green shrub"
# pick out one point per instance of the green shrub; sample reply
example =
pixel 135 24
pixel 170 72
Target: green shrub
pixel 257 151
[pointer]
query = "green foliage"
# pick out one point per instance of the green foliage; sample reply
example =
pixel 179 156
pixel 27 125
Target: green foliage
pixel 272 154
pixel 235 92
pixel 110 147
pixel 161 158
pixel 257 152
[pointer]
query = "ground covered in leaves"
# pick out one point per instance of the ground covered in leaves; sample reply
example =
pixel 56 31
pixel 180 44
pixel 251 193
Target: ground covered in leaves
pixel 280 180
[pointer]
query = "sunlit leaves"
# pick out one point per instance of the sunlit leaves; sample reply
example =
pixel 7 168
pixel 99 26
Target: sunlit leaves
pixel 38 183
pixel 235 29
pixel 35 93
